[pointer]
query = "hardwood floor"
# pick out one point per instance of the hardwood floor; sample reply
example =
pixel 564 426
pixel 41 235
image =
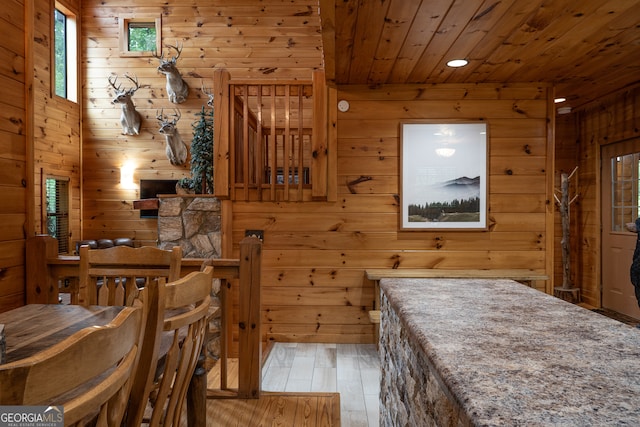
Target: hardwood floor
pixel 353 370
pixel 276 409
pixel 305 384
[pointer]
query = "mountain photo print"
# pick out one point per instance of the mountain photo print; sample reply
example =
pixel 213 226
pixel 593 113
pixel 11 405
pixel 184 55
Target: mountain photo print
pixel 444 176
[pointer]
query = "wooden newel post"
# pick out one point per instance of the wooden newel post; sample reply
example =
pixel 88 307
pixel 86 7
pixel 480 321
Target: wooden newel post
pixel 41 287
pixel 249 338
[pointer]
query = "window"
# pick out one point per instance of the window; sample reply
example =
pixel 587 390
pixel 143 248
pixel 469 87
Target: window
pixel 61 53
pixel 139 35
pixel 57 210
pixel 142 36
pixel 625 196
pixel 65 54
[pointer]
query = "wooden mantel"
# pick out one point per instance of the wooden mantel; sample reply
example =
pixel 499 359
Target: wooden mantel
pixel 146 203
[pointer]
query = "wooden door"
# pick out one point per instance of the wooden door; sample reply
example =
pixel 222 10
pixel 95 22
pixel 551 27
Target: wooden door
pixel 620 199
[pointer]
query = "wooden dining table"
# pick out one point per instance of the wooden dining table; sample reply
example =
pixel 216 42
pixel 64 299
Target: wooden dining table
pixel 35 327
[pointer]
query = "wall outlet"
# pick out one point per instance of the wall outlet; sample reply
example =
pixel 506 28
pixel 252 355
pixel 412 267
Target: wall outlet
pixel 257 233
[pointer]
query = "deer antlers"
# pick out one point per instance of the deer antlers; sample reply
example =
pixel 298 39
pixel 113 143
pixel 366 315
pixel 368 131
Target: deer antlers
pixel 164 119
pixel 173 59
pixel 112 81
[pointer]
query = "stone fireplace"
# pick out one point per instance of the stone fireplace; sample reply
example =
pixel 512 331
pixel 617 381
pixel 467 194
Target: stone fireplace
pixel 191 222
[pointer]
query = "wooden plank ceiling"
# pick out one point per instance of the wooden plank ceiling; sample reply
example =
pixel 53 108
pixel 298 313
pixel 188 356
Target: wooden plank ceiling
pixel 587 48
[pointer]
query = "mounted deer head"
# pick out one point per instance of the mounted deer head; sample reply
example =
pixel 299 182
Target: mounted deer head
pixel 129 118
pixel 177 88
pixel 176 148
pixel 209 95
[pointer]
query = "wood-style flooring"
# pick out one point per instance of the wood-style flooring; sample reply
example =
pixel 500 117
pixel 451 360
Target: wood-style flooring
pixel 353 370
pixel 308 385
pixel 276 409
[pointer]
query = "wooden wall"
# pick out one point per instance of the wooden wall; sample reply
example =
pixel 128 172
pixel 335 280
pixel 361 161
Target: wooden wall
pixel 612 119
pixel 315 253
pixel 56 136
pixel 39 133
pixel 13 155
pixel 267 39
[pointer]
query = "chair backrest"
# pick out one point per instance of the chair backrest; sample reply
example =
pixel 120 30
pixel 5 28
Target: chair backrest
pixel 112 276
pixel 88 373
pixel 187 303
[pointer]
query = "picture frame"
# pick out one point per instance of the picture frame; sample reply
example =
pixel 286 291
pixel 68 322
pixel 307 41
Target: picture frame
pixel 444 175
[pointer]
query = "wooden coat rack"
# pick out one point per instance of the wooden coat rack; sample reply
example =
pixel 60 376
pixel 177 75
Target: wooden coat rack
pixel 567 291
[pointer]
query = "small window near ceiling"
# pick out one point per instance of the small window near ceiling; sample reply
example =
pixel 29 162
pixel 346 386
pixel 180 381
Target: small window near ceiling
pixel 57 209
pixel 65 53
pixel 139 36
pixel 142 36
pixel 625 190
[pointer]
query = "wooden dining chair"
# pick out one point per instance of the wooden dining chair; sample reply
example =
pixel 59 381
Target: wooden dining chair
pixel 115 276
pixel 111 276
pixel 88 374
pixel 187 303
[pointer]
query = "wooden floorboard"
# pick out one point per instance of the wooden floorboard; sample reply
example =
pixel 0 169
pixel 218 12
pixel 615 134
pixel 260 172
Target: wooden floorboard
pixel 285 409
pixel 276 409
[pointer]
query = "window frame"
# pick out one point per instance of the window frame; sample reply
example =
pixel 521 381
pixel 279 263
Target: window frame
pixel 67 214
pixel 123 34
pixel 72 50
pixel 625 190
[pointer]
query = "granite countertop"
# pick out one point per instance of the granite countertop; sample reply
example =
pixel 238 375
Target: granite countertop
pixel 515 356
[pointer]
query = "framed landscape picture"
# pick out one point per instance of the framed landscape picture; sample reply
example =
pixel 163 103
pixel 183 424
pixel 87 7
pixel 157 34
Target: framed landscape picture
pixel 443 182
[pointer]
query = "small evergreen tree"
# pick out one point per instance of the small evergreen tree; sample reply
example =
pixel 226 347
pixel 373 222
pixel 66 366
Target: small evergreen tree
pixel 201 180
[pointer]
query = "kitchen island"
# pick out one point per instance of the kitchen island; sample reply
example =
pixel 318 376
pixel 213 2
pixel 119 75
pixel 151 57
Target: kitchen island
pixel 492 352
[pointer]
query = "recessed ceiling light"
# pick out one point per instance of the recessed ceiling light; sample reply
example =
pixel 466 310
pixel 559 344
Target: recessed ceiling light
pixel 455 63
pixel 558 100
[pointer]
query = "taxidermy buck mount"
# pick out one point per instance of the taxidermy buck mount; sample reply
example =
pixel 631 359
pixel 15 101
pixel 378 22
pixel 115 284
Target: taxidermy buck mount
pixel 176 148
pixel 177 88
pixel 129 119
pixel 209 94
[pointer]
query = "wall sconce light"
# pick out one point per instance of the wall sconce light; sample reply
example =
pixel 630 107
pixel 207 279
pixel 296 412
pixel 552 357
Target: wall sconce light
pixel 126 176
